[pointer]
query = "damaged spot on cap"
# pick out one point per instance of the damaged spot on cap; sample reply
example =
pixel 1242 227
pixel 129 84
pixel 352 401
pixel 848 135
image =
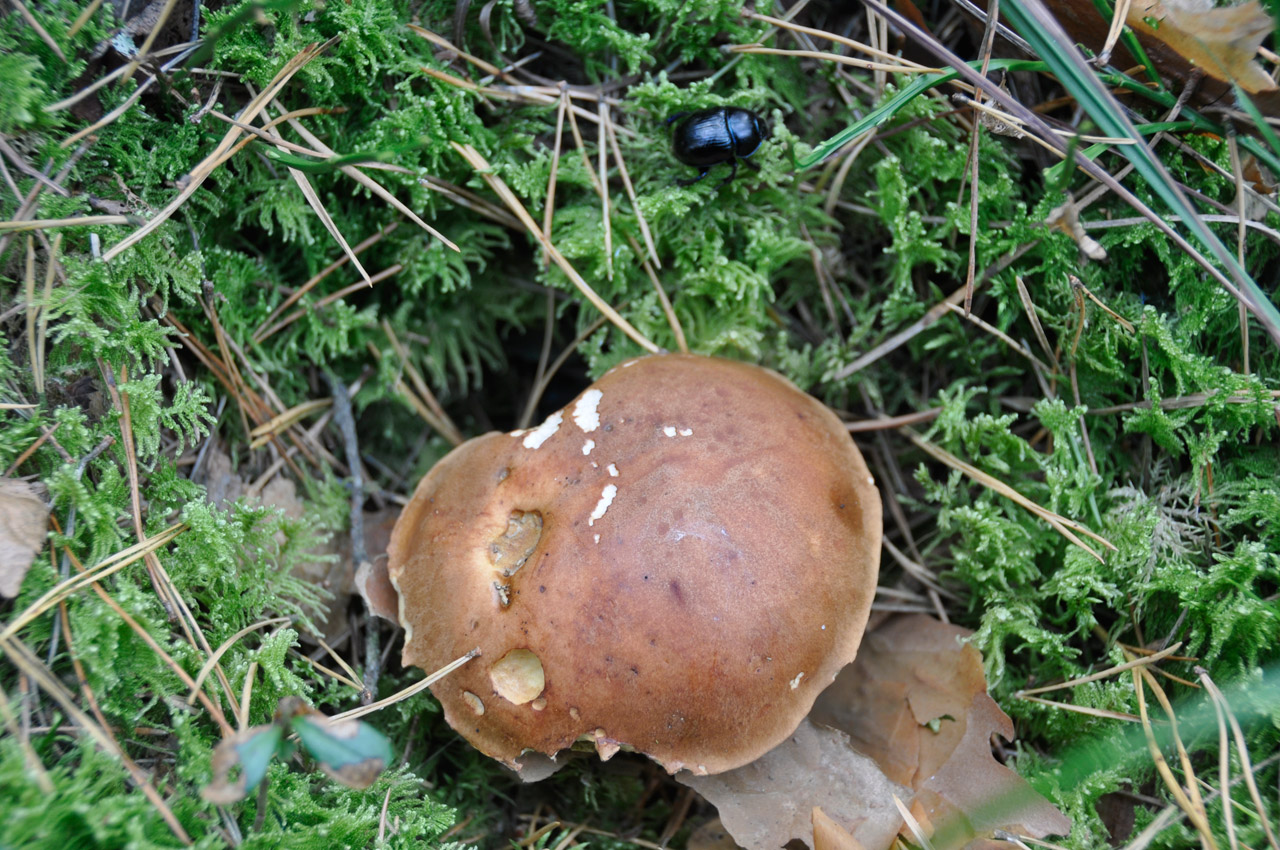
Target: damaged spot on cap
pixel 606 499
pixel 538 704
pixel 573 712
pixel 584 412
pixel 543 432
pixel 795 683
pixel 473 702
pixel 517 676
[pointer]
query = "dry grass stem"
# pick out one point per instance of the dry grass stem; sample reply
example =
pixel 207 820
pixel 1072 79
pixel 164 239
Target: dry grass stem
pixel 262 434
pixel 332 297
pixel 1193 400
pixel 1247 769
pixel 40 30
pixel 83 18
pixel 261 333
pixel 74 221
pixel 1104 674
pixel 602 163
pixel 145 49
pixel 1068 528
pixel 513 203
pixel 888 423
pixel 212 660
pixel 549 208
pixel 864 64
pixel 369 183
pixel 354 684
pixel 26 661
pixel 34 766
pixel 1084 709
pixel 342 662
pixel 415 688
pixel 999 334
pixel 1188 800
pixel 30 450
pixel 631 193
pixel 107 566
pixel 202 171
pixel 672 320
pixel 838 39
pixel 448 430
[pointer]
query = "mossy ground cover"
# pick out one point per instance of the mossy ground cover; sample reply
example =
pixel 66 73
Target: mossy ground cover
pixel 1121 394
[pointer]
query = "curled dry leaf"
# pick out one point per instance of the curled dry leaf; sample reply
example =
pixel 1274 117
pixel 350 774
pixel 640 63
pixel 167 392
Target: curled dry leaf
pixel 251 752
pixel 916 701
pixel 711 836
pixel 23 522
pixel 1223 41
pixel 829 835
pixel 770 801
pixel 910 717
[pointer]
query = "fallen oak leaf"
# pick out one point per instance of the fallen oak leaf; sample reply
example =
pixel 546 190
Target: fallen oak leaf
pixel 770 801
pixel 829 835
pixel 23 523
pixel 915 699
pixel 1221 40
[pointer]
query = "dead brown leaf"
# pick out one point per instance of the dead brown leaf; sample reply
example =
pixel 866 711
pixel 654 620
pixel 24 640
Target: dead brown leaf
pixel 711 836
pixel 915 700
pixel 1221 40
pixel 829 835
pixel 23 522
pixel 770 801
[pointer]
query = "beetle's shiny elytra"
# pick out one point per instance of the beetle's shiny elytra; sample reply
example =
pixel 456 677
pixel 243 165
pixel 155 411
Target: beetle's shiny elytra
pixel 721 134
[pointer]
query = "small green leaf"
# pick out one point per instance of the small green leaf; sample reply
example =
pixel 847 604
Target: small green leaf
pixel 252 751
pixel 351 752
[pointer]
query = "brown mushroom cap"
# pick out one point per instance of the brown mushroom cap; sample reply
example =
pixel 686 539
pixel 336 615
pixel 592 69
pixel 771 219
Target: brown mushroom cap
pixel 677 563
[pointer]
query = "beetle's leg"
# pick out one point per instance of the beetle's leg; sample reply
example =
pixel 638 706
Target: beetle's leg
pixel 732 174
pixel 701 173
pixel 749 164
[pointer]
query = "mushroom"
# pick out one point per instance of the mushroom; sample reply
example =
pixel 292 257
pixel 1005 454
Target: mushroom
pixel 676 564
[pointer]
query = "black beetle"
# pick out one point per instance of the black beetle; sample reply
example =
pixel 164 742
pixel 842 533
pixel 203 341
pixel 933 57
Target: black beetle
pixel 721 134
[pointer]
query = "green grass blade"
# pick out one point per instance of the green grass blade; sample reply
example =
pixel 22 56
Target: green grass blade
pixel 1080 81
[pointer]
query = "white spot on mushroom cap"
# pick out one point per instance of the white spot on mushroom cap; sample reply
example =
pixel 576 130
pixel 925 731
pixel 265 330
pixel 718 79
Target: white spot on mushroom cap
pixel 539 704
pixel 613 471
pixel 795 683
pixel 606 499
pixel 686 432
pixel 670 430
pixel 597 537
pixel 520 432
pixel 473 702
pixel 543 432
pixel 588 446
pixel 584 412
pixel 517 676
